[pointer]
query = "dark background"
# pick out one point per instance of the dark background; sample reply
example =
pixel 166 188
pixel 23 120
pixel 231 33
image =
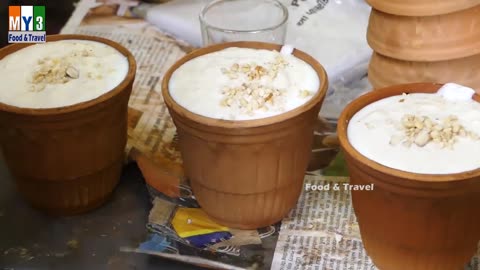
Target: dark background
pixel 30 240
pixel 57 13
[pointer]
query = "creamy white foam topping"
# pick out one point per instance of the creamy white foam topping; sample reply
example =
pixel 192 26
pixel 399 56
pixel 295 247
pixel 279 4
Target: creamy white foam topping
pixel 420 133
pixel 243 84
pixel 60 73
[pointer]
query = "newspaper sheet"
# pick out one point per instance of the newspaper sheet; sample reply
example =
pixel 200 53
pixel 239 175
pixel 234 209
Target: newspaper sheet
pixel 150 129
pixel 321 232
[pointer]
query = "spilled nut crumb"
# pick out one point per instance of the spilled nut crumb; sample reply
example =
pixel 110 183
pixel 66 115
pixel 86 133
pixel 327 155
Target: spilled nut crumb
pixel 422 130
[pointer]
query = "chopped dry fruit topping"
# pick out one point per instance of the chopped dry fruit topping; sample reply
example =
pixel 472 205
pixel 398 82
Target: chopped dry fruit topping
pixel 72 72
pixel 250 97
pixel 422 130
pixel 254 71
pixel 56 70
pixel 305 93
pixel 253 95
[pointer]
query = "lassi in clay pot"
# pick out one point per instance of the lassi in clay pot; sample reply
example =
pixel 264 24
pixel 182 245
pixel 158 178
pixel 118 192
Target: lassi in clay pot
pixel 243 84
pixel 60 73
pixel 426 133
pixel 245 115
pixel 419 148
pixel 63 115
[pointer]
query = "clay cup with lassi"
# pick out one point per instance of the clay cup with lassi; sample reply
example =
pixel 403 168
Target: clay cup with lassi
pixel 245 114
pixel 63 116
pixel 419 148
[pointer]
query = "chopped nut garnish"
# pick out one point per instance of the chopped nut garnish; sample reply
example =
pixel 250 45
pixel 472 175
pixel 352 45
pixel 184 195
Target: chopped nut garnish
pixel 369 125
pixel 253 95
pixel 249 97
pixel 422 138
pixel 396 139
pixel 59 70
pixel 423 130
pixel 305 93
pixel 50 71
pixel 87 52
pixel 72 72
pixel 234 67
pixel 245 68
pixel 253 72
pixel 280 62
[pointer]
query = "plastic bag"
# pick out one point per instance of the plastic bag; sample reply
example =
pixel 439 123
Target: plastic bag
pixel 332 31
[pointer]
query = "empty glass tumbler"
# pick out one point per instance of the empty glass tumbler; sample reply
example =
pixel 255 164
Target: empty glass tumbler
pixel 244 20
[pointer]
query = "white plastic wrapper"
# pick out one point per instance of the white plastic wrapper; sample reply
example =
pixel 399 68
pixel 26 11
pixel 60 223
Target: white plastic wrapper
pixel 179 18
pixel 334 32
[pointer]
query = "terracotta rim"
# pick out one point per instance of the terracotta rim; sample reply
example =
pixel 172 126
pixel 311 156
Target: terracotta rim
pixel 422 8
pixel 459 44
pixel 231 124
pixel 404 71
pixel 83 105
pixel 379 94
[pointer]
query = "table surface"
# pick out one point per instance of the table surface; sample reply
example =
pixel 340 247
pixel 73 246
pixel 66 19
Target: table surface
pixel 31 240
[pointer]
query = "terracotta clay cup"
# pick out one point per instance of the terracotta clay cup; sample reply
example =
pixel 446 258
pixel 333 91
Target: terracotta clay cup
pixel 246 174
pixel 421 7
pixel 384 71
pixel 432 38
pixel 68 160
pixel 412 221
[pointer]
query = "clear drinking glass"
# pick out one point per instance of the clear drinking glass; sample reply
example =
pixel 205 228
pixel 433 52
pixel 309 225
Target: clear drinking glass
pixel 244 20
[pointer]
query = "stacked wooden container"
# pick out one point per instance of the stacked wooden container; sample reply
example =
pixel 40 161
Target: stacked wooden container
pixel 424 41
